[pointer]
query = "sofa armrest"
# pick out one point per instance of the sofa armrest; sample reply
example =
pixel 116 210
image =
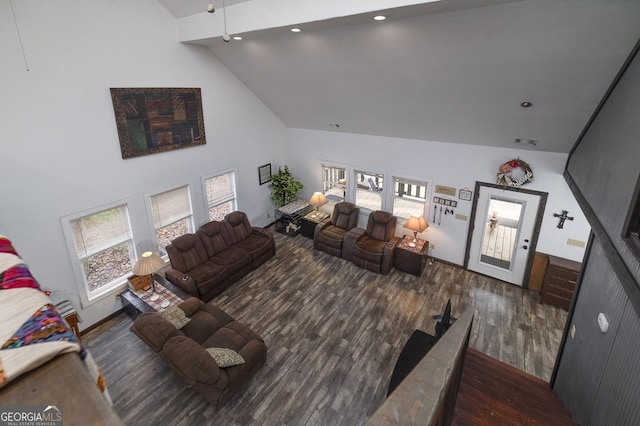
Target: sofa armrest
pixel 190 361
pixel 387 255
pixel 319 227
pixel 182 280
pixel 153 330
pixel 191 306
pixel 349 242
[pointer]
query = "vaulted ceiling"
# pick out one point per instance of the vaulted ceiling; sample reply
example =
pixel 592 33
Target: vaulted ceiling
pixel 451 71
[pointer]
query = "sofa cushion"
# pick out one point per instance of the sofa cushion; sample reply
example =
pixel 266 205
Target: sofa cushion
pixel 211 235
pixel 234 259
pixel 369 249
pixel 207 320
pixel 208 275
pixel 332 235
pixel 175 316
pixel 186 252
pixel 239 226
pixel 234 335
pixel 225 357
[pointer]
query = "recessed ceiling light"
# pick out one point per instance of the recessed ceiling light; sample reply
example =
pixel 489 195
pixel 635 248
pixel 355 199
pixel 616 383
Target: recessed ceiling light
pixel 237 38
pixel 295 30
pixel 526 104
pixel 379 18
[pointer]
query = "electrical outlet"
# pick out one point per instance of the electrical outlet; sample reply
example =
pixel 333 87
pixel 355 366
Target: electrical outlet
pixel 432 246
pixel 575 243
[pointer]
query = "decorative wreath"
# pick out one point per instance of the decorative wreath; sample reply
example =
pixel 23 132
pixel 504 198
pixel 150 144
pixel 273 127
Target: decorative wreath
pixel 506 178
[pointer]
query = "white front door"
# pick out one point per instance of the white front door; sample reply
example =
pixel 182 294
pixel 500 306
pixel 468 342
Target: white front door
pixel 502 233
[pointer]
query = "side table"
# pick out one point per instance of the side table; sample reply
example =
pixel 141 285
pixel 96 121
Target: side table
pixel 410 259
pixel 134 305
pixel 309 222
pixel 70 315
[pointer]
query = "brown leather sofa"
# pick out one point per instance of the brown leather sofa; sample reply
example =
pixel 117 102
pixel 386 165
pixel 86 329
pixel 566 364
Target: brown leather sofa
pixel 373 248
pixel 329 234
pixel 185 349
pixel 220 253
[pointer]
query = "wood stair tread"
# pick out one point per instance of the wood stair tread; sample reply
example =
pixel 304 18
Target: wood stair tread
pixel 495 393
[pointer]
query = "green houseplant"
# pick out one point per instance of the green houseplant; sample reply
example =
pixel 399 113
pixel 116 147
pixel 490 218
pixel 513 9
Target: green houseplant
pixel 284 187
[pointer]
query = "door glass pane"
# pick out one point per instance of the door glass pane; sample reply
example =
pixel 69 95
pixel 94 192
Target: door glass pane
pixel 501 230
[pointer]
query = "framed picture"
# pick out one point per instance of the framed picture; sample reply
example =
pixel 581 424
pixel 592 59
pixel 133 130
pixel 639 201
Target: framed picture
pixel 264 173
pixel 465 194
pixel 157 120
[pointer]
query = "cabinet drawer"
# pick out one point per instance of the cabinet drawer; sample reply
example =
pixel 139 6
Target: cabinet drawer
pixel 560 292
pixel 567 285
pixel 562 274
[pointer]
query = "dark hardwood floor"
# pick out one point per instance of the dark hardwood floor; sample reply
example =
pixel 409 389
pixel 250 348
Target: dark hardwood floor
pixel 333 332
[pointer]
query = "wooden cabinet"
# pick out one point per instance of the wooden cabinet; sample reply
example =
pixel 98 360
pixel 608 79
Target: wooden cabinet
pixel 560 281
pixel 410 259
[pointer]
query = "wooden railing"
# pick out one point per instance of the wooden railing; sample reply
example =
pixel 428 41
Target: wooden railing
pixel 427 396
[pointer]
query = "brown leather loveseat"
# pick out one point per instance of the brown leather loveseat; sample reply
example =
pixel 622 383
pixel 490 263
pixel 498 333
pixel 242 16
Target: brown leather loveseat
pixel 184 349
pixel 217 255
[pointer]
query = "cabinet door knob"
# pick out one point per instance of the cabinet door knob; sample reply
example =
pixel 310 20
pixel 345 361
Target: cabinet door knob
pixel 525 247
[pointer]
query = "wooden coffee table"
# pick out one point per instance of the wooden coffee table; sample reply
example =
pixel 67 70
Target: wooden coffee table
pixel 134 305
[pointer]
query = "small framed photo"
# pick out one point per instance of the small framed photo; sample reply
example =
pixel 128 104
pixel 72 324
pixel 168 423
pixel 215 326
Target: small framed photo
pixel 465 194
pixel 264 173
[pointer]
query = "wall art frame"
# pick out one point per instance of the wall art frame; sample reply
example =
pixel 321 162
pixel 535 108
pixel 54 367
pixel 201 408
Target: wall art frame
pixel 264 173
pixel 465 194
pixel 154 120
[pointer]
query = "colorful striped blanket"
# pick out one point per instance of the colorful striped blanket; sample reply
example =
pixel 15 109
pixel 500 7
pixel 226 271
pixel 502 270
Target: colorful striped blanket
pixel 32 331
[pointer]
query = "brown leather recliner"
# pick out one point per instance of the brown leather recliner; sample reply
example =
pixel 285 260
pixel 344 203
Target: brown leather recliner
pixel 185 349
pixel 329 234
pixel 373 249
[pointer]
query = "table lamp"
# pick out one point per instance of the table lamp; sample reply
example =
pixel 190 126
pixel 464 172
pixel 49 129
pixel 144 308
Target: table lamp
pixel 416 224
pixel 317 199
pixel 148 264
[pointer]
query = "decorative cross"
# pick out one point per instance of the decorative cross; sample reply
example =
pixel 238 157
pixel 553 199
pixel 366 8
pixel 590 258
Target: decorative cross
pixel 563 216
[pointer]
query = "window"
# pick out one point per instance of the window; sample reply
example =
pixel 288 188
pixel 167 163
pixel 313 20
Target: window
pixel 102 248
pixel 220 191
pixel 409 197
pixel 172 215
pixel 334 182
pixel 368 190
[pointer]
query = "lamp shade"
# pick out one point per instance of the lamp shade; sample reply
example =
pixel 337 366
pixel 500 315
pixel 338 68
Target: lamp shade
pixel 149 263
pixel 318 199
pixel 416 224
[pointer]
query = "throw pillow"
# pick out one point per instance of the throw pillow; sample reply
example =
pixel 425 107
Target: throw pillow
pixel 225 357
pixel 175 316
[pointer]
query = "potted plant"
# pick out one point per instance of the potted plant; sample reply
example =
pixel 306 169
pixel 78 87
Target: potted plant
pixel 284 187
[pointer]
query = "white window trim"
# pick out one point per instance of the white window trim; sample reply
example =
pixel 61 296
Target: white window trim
pixel 353 186
pixel 335 165
pixel 150 221
pixel 113 287
pixel 222 200
pixel 412 181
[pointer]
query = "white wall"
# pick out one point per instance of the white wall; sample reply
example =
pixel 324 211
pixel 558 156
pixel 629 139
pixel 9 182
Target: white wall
pixel 59 147
pixel 452 165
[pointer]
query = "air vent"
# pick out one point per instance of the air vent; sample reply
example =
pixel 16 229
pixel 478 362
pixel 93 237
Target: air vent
pixel 524 141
